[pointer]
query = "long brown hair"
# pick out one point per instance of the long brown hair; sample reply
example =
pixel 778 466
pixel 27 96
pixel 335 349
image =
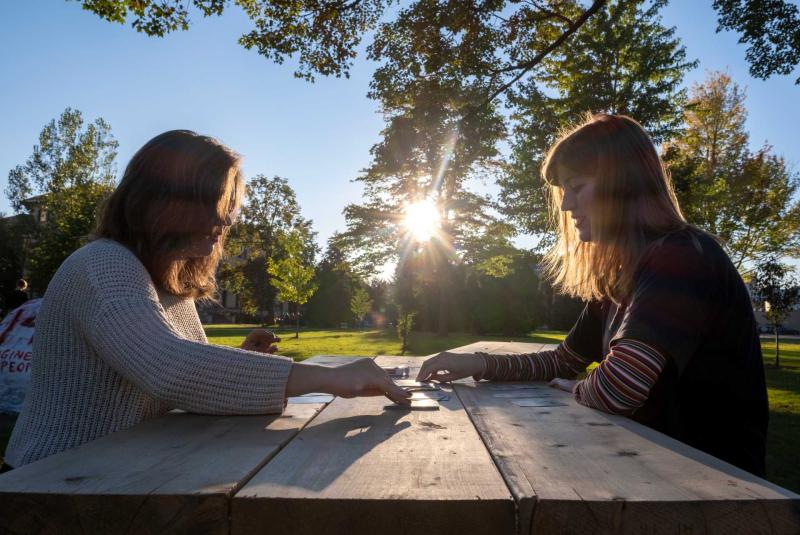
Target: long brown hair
pixel 633 203
pixel 175 187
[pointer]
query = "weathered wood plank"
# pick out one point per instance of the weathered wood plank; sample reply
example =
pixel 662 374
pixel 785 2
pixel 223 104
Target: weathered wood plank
pixel 173 474
pixel 577 470
pixel 358 468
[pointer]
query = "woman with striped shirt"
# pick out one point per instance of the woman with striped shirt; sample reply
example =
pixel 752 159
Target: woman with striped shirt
pixel 668 318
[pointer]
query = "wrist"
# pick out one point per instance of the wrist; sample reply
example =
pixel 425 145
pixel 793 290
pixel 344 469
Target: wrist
pixel 481 366
pixel 307 378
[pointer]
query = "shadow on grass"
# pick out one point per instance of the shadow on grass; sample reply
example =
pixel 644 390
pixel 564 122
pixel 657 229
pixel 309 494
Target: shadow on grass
pixel 783 434
pixel 782 440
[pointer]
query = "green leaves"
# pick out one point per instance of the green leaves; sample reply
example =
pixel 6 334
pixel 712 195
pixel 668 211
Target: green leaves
pixel 360 303
pixel 292 275
pixel 270 210
pixel 323 34
pixel 623 60
pixel 63 182
pixel 770 28
pixel 744 197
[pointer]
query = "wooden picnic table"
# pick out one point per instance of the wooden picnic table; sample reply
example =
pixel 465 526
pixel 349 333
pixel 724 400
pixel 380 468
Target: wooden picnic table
pixel 480 464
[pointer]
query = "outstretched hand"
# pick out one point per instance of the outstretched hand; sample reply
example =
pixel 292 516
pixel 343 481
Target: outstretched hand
pixel 362 377
pixel 446 367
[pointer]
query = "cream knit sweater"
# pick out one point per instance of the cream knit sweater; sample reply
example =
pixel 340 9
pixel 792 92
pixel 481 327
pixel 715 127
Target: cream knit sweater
pixel 110 351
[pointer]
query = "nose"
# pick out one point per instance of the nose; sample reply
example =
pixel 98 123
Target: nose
pixel 568 201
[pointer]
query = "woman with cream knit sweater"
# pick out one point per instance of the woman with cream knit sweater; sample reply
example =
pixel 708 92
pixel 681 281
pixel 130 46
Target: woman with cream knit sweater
pixel 118 339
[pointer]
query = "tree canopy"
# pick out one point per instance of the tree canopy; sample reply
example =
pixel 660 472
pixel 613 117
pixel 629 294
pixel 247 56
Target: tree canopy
pixel 624 61
pixel 63 182
pixel 746 198
pixel 325 35
pixel 270 210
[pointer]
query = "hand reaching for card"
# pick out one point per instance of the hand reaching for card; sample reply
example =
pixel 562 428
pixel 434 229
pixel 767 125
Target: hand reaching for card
pixel 450 367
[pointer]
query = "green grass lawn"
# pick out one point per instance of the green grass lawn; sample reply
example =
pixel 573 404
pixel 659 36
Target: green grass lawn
pixel 783 384
pixel 362 342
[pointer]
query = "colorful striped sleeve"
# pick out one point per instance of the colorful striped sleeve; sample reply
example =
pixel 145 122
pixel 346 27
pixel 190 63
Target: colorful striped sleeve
pixel 542 366
pixel 622 381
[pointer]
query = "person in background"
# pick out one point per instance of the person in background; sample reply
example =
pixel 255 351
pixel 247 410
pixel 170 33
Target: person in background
pixel 18 296
pixel 118 339
pixel 668 318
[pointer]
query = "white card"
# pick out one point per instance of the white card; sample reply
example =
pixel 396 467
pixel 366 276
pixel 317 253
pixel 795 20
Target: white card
pixel 438 396
pixel 537 402
pixel 518 386
pixel 523 394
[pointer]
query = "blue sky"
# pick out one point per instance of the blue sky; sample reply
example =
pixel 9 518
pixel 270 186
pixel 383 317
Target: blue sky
pixel 55 55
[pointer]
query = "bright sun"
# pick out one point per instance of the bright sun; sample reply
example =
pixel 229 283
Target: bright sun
pixel 422 220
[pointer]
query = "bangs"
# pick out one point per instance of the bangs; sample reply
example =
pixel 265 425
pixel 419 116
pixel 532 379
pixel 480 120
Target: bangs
pixel 230 198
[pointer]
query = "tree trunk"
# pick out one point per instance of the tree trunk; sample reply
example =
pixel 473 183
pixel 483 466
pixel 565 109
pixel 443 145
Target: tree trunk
pixel 777 348
pixel 297 322
pixel 444 318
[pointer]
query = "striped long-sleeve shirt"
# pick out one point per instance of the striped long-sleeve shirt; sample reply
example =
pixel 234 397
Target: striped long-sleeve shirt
pixel 619 385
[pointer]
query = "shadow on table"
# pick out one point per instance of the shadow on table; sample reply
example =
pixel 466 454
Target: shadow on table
pixel 323 452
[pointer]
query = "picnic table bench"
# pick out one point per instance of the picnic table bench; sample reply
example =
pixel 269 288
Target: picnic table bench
pixel 481 464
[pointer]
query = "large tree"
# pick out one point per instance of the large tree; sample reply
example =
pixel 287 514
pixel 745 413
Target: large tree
pixel 63 182
pixel 775 290
pixel 330 304
pixel 437 138
pixel 746 198
pixel 771 30
pixel 293 273
pixel 623 61
pixel 270 209
pixel 325 34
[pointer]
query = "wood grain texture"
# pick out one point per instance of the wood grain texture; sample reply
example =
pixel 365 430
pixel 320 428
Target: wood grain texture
pixel 173 474
pixel 573 469
pixel 358 468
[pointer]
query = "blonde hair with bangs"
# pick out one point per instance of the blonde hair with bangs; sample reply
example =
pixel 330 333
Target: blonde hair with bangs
pixel 633 204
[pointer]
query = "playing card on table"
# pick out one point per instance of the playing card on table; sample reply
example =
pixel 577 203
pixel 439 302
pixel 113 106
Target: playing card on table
pixel 524 394
pixel 438 396
pixel 409 385
pixel 397 371
pixel 537 402
pixel 416 405
pixel 527 386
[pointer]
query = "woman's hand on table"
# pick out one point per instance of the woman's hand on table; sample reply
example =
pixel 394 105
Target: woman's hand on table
pixel 446 367
pixel 261 340
pixel 567 385
pixel 361 377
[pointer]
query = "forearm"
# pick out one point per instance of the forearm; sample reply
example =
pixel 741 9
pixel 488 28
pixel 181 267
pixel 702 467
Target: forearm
pixel 621 383
pixel 306 378
pixel 541 366
pixel 135 341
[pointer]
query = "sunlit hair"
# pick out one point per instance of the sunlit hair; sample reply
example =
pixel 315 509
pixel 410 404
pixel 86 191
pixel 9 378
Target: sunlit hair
pixel 633 204
pixel 176 188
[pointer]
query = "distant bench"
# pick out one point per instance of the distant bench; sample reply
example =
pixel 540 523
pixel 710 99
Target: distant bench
pixel 482 464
